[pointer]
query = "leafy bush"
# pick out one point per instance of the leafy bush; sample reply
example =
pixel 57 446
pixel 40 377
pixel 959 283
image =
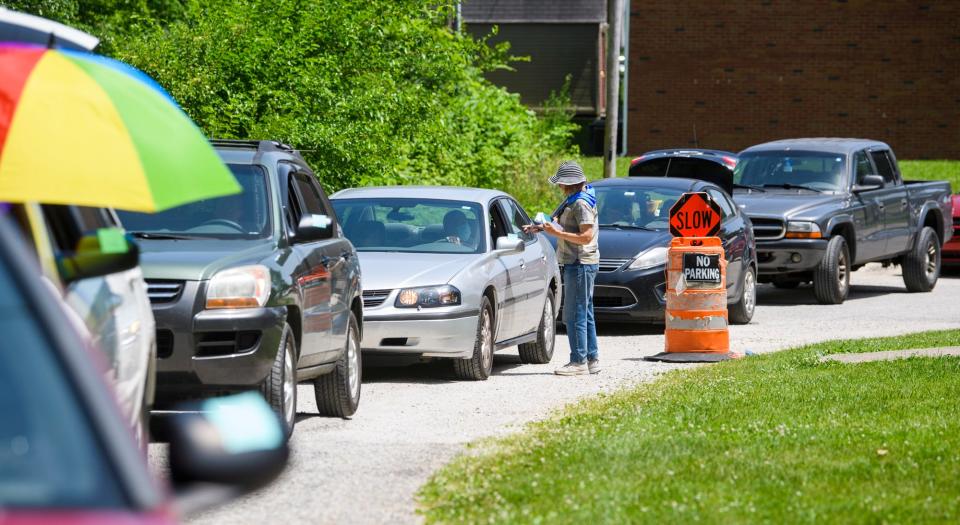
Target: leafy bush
pixel 379 92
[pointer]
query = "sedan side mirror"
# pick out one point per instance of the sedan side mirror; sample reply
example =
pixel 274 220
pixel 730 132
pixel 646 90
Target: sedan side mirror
pixel 869 182
pixel 224 447
pixel 510 244
pixel 314 228
pixel 107 251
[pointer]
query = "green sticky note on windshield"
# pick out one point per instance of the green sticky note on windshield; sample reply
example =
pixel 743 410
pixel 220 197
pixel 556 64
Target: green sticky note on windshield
pixel 112 240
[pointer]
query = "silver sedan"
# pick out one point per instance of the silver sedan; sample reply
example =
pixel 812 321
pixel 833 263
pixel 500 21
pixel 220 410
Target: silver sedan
pixel 449 272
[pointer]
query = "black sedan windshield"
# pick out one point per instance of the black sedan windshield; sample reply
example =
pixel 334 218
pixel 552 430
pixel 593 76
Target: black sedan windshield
pixel 637 206
pixel 412 225
pixel 49 456
pixel 812 170
pixel 245 215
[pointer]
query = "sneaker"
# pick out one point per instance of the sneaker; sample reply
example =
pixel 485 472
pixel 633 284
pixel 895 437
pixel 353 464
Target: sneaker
pixel 594 366
pixel 573 369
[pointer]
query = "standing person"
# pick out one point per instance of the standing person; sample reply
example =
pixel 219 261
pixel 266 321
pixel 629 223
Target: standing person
pixel 578 253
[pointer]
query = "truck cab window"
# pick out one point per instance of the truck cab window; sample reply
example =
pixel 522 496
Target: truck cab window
pixel 864 167
pixel 884 166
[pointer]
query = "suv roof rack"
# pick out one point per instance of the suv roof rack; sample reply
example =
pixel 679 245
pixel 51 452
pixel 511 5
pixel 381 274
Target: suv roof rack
pixel 254 144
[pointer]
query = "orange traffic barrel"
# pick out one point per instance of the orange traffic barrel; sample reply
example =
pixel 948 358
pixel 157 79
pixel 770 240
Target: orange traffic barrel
pixel 696 312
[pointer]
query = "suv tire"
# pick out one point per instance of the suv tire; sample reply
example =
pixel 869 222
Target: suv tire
pixel 541 351
pixel 742 311
pixel 831 278
pixel 280 387
pixel 338 393
pixel 479 366
pixel 921 266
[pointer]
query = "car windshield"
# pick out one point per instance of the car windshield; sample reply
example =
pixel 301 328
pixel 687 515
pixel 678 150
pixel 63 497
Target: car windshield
pixel 49 456
pixel 245 215
pixel 791 169
pixel 412 225
pixel 635 206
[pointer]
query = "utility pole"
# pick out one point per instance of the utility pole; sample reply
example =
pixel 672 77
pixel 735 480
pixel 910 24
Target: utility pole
pixel 614 28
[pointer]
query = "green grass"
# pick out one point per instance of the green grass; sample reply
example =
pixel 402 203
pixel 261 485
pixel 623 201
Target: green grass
pixel 776 438
pixel 932 170
pixel 593 166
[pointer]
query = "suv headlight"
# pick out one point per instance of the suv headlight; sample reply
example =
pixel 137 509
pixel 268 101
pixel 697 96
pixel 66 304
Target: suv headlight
pixel 428 297
pixel 802 230
pixel 656 256
pixel 241 287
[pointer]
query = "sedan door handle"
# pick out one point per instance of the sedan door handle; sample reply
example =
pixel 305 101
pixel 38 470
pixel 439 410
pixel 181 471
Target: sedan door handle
pixel 881 205
pixel 903 204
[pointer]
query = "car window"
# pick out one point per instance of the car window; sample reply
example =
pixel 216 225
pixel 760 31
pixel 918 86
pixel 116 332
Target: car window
pixel 310 195
pixel 864 167
pixel 515 219
pixel 722 201
pixel 245 215
pixel 884 166
pixel 50 457
pixel 412 225
pixel 814 169
pixel 648 207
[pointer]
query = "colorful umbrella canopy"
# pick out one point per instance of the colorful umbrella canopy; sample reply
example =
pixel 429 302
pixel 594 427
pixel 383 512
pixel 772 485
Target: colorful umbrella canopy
pixel 78 128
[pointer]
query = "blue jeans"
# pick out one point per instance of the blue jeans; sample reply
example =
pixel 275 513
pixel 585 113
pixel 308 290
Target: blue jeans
pixel 578 310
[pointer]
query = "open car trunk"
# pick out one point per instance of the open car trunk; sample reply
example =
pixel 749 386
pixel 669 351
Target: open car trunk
pixel 707 170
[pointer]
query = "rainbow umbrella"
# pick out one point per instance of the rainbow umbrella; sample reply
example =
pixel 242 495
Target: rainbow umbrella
pixel 79 128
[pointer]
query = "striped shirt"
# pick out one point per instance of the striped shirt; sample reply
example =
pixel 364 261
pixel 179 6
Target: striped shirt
pixel 572 217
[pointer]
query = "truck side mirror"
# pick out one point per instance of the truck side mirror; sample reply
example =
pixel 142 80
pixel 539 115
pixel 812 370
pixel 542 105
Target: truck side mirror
pixel 869 182
pixel 314 228
pixel 107 251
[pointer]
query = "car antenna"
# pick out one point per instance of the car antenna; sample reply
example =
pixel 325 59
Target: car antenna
pixel 696 143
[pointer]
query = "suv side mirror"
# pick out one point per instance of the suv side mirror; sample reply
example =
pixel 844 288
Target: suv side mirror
pixel 107 251
pixel 869 182
pixel 314 228
pixel 223 447
pixel 510 244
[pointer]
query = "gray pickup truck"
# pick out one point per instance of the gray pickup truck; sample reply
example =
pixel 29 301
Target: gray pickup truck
pixel 822 208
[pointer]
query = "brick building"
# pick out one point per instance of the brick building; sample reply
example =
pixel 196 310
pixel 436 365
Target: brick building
pixel 728 74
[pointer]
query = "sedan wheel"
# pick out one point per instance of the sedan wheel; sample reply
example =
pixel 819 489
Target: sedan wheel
pixel 479 366
pixel 541 351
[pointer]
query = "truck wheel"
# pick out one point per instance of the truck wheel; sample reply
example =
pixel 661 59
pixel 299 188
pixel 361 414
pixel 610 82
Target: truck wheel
pixel 338 393
pixel 280 388
pixel 831 279
pixel 921 266
pixel 541 351
pixel 479 366
pixel 742 312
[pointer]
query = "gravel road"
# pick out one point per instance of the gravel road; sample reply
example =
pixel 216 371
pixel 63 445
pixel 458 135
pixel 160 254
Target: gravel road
pixel 414 419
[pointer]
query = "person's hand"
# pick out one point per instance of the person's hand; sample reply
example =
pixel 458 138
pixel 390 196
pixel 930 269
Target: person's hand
pixel 550 228
pixel 530 229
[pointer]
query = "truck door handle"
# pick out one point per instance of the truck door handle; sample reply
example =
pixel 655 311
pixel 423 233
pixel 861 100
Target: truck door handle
pixel 881 205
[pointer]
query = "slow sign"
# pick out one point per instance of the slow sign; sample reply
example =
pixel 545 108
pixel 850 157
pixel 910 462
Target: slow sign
pixel 695 215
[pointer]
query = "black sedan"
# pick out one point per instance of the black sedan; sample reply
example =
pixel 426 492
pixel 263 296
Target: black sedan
pixel 634 236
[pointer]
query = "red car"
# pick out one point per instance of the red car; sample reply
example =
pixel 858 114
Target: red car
pixel 66 454
pixel 951 250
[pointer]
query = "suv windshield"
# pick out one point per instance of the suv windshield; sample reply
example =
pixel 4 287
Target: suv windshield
pixel 642 207
pixel 245 215
pixel 412 225
pixel 813 170
pixel 49 457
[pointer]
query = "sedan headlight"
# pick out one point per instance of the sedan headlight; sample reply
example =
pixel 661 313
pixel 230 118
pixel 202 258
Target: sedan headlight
pixel 428 297
pixel 803 230
pixel 649 258
pixel 242 287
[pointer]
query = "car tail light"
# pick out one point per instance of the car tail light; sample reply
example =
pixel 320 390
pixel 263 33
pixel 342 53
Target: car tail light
pixel 729 161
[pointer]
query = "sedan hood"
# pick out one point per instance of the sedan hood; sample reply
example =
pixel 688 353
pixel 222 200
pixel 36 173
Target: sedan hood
pixel 614 243
pixel 783 203
pixel 198 260
pixel 389 270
